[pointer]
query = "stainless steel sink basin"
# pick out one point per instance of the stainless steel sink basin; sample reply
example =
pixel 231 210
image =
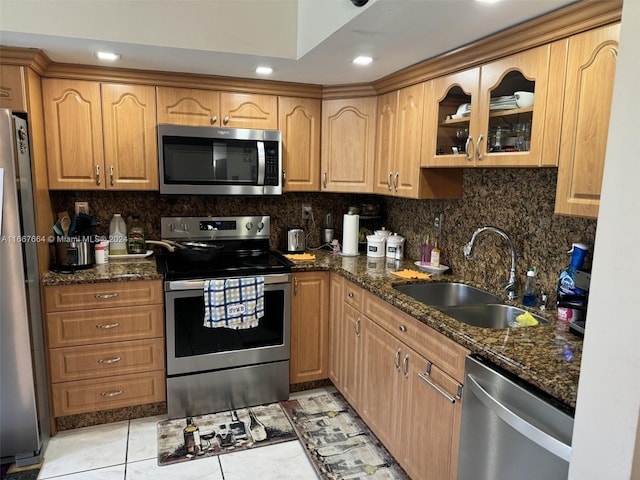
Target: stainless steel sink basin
pixel 489 315
pixel 445 294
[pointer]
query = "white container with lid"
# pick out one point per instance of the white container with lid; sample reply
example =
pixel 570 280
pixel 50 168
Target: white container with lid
pixel 375 246
pixel 395 246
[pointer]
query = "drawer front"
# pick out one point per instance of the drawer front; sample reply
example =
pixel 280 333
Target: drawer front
pixel 85 327
pixel 353 295
pixel 79 363
pixel 84 396
pixel 435 347
pixel 98 295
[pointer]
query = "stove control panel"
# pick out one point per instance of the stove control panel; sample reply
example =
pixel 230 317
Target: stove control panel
pixel 223 228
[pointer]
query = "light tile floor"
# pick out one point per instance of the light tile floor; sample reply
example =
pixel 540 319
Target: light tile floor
pixel 128 451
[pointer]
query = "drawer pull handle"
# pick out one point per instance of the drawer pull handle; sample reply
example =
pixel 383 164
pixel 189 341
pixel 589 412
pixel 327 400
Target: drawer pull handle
pixel 112 394
pixel 109 325
pixel 108 361
pixel 403 328
pixel 424 377
pixel 106 296
pixel 350 294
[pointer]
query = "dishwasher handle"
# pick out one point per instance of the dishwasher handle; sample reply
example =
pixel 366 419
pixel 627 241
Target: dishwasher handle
pixel 533 433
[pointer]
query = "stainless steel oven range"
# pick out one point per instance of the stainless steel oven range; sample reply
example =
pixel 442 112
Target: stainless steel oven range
pixel 211 369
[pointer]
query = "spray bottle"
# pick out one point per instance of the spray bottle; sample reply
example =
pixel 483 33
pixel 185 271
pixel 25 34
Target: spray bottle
pixel 571 298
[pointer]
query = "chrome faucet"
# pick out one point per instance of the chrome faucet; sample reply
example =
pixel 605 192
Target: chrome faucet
pixel 511 287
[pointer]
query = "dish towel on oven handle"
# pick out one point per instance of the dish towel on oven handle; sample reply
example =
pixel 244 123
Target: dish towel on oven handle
pixel 235 303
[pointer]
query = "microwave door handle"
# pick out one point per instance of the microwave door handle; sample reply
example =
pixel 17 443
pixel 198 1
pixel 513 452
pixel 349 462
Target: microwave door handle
pixel 261 162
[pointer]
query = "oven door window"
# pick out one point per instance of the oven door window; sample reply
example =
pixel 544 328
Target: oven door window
pixel 192 338
pixel 206 161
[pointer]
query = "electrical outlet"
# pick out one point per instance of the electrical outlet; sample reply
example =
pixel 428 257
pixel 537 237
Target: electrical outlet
pixel 437 222
pixel 306 211
pixel 82 207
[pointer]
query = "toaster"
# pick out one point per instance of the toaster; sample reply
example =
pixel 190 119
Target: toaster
pixel 295 241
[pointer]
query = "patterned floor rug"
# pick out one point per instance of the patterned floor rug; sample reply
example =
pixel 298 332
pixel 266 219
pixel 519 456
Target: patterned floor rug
pixel 218 433
pixel 338 442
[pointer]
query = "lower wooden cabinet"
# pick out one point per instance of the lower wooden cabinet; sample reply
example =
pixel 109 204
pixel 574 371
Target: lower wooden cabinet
pixel 105 345
pixel 402 377
pixel 309 326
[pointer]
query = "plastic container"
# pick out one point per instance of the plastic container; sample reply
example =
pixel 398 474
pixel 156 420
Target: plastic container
pixel 102 252
pixel 529 296
pixel 117 235
pixel 395 242
pixel 375 246
pixel 135 237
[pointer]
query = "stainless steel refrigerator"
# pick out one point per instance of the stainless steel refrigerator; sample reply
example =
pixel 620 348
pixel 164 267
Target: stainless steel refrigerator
pixel 24 410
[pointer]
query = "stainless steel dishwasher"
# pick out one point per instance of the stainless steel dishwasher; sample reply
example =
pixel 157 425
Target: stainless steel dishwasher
pixel 508 430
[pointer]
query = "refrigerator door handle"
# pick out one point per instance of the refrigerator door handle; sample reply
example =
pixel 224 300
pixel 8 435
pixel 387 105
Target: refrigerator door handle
pixel 525 428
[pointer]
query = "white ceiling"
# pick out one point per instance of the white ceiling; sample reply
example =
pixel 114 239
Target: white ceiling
pixel 308 41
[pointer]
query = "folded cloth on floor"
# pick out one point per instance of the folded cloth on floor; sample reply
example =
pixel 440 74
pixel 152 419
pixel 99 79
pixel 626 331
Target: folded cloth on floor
pixel 406 273
pixel 235 303
pixel 300 257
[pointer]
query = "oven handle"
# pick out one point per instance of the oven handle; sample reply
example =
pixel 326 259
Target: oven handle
pixel 199 284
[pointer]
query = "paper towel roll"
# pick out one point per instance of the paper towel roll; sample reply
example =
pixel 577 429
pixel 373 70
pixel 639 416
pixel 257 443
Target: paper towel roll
pixel 350 230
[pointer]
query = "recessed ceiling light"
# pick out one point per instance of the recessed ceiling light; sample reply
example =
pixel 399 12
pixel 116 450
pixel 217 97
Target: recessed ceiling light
pixel 488 1
pixel 108 56
pixel 264 70
pixel 362 60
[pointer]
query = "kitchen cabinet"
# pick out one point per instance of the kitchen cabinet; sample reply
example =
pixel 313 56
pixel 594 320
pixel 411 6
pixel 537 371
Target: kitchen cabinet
pixel 200 107
pixel 591 64
pixel 348 144
pixel 100 136
pixel 346 338
pixel 309 326
pixel 105 345
pixel 473 118
pixel 398 169
pixel 188 106
pixel 411 392
pixel 12 88
pixel 299 121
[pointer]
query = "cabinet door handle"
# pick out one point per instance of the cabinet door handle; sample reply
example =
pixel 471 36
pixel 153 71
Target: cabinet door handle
pixel 405 366
pixel 295 285
pixel 108 361
pixel 358 320
pixel 97 174
pixel 478 154
pixel 389 181
pixel 214 119
pixel 108 325
pixel 324 179
pixel 468 143
pixel 111 175
pixel 112 394
pixel 395 181
pixel 226 120
pixel 284 176
pixel 105 296
pixel 396 360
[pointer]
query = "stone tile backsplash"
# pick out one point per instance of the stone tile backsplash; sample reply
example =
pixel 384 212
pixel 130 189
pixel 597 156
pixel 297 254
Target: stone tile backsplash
pixel 519 201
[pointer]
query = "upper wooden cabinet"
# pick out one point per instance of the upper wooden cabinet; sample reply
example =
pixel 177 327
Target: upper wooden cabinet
pixel 12 93
pixel 348 143
pixel 100 136
pixel 591 64
pixel 398 149
pixel 299 121
pixel 190 106
pixel 491 116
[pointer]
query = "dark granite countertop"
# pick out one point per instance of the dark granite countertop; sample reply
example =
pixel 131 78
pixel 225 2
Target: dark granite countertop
pixel 546 356
pixel 116 271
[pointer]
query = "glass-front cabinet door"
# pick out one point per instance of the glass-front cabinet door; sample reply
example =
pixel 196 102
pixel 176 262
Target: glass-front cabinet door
pixel 491 116
pixel 512 110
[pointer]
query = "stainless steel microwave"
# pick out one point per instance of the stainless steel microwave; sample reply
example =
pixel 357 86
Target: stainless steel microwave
pixel 219 161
